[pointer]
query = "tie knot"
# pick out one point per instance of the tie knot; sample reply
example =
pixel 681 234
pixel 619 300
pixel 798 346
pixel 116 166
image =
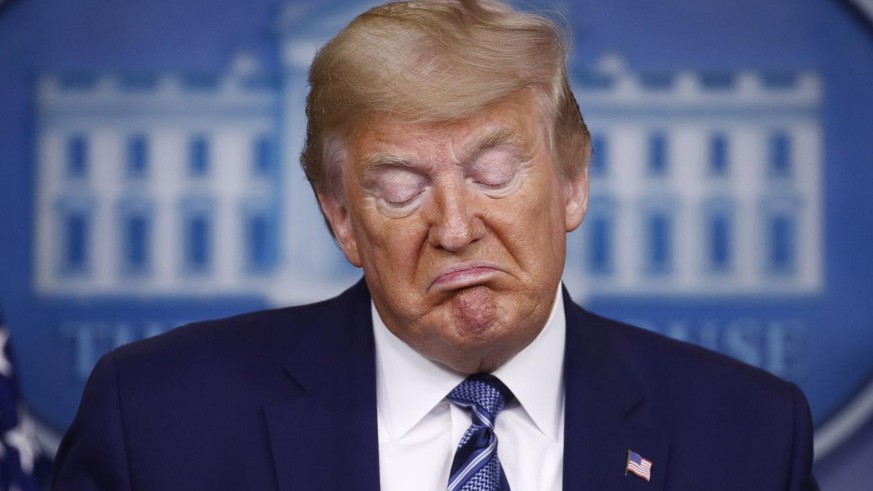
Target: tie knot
pixel 485 394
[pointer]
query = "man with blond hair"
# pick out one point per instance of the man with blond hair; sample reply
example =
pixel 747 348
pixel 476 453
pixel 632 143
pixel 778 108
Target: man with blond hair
pixel 449 158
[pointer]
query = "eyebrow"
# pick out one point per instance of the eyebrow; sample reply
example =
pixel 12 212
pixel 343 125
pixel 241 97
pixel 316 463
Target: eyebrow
pixel 376 161
pixel 489 139
pixel 486 140
pixel 494 137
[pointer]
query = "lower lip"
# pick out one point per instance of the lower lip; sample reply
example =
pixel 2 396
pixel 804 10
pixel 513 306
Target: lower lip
pixel 464 278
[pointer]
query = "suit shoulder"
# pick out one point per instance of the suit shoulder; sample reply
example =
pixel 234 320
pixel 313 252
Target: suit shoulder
pixel 713 409
pixel 250 339
pixel 249 327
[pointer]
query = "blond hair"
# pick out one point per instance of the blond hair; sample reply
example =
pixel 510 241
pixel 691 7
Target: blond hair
pixel 436 60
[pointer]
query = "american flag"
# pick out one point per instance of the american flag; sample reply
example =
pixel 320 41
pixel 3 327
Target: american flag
pixel 638 465
pixel 19 451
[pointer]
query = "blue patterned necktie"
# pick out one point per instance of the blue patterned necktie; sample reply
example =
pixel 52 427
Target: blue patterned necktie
pixel 476 466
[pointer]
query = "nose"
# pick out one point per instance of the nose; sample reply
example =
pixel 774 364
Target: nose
pixel 455 222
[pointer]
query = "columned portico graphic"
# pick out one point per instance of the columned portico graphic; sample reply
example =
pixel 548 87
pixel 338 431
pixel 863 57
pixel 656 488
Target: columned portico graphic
pixel 703 184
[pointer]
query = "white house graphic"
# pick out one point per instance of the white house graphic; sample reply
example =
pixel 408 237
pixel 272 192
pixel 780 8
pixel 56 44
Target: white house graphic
pixel 176 184
pixel 701 183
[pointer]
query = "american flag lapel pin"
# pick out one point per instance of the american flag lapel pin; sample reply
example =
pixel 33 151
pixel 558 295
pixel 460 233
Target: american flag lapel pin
pixel 638 465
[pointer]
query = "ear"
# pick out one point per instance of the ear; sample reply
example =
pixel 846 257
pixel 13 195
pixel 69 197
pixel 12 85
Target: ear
pixel 338 216
pixel 576 199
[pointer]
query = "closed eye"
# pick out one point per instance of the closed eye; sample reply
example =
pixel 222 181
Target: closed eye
pixel 495 185
pixel 395 186
pixel 402 203
pixel 500 180
pixel 496 169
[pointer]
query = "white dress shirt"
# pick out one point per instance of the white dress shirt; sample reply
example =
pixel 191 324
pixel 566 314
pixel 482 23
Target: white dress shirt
pixel 419 429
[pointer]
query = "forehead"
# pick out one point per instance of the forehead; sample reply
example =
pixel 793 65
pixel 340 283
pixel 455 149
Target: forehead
pixel 515 120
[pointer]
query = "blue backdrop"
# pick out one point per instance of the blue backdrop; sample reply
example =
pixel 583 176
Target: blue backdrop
pixel 149 177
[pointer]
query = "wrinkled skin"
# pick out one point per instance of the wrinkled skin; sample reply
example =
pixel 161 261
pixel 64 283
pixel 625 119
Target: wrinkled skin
pixel 460 228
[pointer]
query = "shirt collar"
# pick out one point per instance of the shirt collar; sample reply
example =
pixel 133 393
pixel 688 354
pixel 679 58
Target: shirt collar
pixel 409 386
pixel 536 374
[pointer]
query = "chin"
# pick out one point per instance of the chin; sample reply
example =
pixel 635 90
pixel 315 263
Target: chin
pixel 474 310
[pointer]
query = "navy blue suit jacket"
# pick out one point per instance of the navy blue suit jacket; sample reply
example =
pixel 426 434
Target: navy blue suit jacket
pixel 285 399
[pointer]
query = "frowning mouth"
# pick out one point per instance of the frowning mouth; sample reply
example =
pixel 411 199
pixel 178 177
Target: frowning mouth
pixel 464 275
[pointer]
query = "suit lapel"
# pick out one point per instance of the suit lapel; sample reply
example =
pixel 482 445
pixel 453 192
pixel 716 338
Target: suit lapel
pixel 605 413
pixel 324 435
